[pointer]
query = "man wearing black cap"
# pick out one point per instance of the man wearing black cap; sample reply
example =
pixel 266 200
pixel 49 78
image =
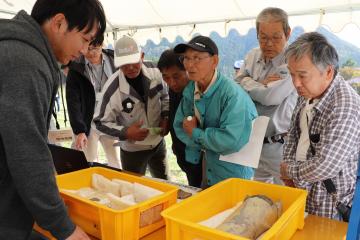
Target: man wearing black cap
pixel 215 115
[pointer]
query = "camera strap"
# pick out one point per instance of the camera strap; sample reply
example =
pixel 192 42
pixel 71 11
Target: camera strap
pixel 341 208
pixel 328 183
pixel 331 189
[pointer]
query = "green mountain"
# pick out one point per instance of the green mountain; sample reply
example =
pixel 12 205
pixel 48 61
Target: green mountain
pixel 235 46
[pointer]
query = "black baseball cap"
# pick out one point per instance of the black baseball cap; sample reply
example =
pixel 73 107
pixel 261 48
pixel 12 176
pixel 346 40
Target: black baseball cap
pixel 198 43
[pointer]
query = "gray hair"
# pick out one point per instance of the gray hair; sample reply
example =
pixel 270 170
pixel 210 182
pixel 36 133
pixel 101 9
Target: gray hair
pixel 272 14
pixel 320 51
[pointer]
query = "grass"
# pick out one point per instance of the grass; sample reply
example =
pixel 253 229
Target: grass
pixel 176 174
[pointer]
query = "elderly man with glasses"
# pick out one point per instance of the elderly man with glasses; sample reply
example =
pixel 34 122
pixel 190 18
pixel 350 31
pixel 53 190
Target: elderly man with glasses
pixel 85 81
pixel 215 115
pixel 266 78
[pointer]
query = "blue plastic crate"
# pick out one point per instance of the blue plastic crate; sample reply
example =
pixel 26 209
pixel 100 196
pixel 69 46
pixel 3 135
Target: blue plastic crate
pixel 354 223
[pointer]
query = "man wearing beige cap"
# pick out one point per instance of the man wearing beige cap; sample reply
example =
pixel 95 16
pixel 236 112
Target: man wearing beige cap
pixel 135 108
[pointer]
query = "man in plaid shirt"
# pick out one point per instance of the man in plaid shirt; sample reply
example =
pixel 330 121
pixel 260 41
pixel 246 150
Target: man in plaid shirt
pixel 324 137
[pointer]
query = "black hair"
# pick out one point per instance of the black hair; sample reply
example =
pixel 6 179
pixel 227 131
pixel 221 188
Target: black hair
pixel 99 40
pixel 168 59
pixel 92 13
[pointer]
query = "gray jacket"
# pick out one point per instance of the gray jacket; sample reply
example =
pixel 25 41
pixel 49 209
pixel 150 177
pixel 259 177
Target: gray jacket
pixel 121 106
pixel 276 100
pixel 28 83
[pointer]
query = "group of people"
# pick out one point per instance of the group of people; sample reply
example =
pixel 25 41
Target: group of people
pixel 117 98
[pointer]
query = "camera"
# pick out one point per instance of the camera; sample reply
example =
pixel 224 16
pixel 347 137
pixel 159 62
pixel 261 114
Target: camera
pixel 344 211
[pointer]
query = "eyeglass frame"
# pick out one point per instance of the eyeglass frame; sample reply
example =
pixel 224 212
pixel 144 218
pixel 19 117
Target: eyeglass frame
pixel 195 59
pixel 94 48
pixel 265 39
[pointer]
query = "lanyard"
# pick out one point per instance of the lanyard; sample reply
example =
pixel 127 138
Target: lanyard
pixel 94 79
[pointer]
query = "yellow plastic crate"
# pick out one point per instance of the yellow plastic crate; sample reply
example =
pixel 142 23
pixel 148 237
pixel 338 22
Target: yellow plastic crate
pixel 182 219
pixel 105 223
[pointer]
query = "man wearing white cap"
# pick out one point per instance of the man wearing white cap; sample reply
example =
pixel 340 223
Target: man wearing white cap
pixel 135 108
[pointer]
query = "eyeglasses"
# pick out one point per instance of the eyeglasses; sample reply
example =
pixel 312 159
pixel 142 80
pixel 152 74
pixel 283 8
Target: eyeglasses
pixel 93 49
pixel 195 60
pixel 263 39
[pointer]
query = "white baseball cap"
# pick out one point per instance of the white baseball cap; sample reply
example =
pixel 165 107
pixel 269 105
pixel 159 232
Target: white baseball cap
pixel 126 51
pixel 238 64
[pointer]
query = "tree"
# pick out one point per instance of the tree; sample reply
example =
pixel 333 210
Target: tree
pixel 346 72
pixel 356 87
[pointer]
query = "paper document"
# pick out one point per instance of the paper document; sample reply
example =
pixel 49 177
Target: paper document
pixel 249 155
pixel 155 130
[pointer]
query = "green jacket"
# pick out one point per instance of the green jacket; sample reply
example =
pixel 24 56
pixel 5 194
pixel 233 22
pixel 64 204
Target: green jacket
pixel 226 111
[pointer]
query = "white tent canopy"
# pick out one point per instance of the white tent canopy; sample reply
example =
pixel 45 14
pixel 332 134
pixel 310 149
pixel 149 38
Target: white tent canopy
pixel 154 19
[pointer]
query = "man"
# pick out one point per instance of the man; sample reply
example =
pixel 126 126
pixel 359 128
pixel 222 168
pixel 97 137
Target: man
pixel 86 79
pixel 324 137
pixel 215 115
pixel 135 109
pixel 175 76
pixel 32 48
pixel 266 78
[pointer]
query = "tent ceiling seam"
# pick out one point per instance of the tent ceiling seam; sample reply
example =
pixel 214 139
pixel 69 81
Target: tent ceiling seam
pixel 335 9
pixel 239 8
pixel 156 12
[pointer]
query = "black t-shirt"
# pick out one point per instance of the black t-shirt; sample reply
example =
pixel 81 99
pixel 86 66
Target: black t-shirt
pixel 178 146
pixel 137 84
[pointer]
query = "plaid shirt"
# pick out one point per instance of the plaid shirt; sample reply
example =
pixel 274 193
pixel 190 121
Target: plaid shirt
pixel 336 120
